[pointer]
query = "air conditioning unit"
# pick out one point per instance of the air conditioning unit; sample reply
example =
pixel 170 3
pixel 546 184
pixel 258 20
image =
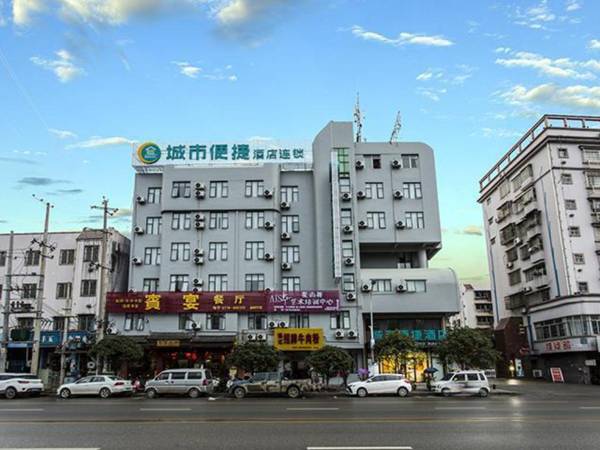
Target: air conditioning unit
pixel 537 373
pixel 347 229
pixel 398 195
pixel 396 164
pixel 285 236
pixel 352 334
pixel 361 194
pixel 362 224
pixel 400 288
pixel 197 282
pixel 346 196
pixel 360 165
pixel 198 252
pixel 365 288
pixel 349 261
pixel 261 337
pixel 286 266
pixel 509 265
pixel 200 195
pixel 518 241
pixel 400 225
pixel 533 249
pixel 282 324
pixel 527 289
pixel 141 200
pixel 199 225
pixel 138 230
pixel 284 205
pixel 267 193
pixel 199 217
pixel 272 324
pixel 137 261
pixel 251 337
pixel 269 225
pixel 350 296
pixel 339 334
pixel 269 257
pixel 198 260
pixel 200 186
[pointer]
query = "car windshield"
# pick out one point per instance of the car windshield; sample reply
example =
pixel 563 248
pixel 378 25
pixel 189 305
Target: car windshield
pixel 447 376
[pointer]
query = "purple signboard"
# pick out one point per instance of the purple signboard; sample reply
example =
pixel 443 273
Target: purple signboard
pixel 304 301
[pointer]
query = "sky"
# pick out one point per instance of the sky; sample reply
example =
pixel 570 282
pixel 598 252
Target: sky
pixel 81 81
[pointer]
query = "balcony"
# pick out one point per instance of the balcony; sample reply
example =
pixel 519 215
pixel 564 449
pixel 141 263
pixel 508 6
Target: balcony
pixel 21 334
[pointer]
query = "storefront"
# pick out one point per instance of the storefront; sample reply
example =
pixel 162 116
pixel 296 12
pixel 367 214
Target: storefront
pixel 577 358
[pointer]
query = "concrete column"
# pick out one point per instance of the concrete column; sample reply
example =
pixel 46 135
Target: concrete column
pixel 423 263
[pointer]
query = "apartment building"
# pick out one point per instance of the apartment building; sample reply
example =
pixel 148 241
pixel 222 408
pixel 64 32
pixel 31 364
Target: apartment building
pixel 70 292
pixel 232 250
pixel 476 308
pixel 541 206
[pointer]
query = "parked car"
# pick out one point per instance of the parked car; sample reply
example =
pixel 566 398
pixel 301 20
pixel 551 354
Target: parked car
pixel 463 382
pixel 191 382
pixel 269 383
pixel 381 384
pixel 102 385
pixel 15 384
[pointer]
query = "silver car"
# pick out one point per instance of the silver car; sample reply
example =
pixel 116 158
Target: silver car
pixel 463 382
pixel 190 382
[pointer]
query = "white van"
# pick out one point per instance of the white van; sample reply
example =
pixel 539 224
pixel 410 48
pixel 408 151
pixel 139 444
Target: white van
pixel 463 382
pixel 191 382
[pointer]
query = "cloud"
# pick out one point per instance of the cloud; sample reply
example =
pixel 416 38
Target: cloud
pixel 191 71
pixel 561 67
pixel 402 39
pixel 472 230
pixel 498 133
pixel 577 96
pixel 97 142
pixel 8 159
pixel 40 181
pixel 431 93
pixel 68 191
pixel 594 44
pixel 22 10
pixel 187 69
pixel 535 17
pixel 572 5
pixel 503 50
pixel 62 134
pixel 123 212
pixel 63 66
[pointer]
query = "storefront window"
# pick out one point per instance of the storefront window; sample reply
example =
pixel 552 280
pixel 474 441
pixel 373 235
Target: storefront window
pixel 215 322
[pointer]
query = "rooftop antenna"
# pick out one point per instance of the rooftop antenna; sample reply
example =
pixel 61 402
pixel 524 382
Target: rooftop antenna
pixel 358 119
pixel 396 129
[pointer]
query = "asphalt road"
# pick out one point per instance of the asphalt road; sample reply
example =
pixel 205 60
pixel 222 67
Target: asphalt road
pixel 529 421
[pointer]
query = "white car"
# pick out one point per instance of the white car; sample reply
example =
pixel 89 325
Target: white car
pixel 463 382
pixel 381 384
pixel 14 384
pixel 102 385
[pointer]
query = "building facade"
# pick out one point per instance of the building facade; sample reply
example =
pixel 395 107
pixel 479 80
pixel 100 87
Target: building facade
pixel 541 206
pixel 476 308
pixel 357 225
pixel 71 293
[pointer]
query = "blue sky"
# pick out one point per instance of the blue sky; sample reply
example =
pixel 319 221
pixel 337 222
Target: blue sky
pixel 80 80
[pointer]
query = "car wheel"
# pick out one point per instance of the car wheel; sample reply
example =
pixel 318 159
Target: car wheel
pixel 362 392
pixel 151 393
pixel 293 392
pixel 402 392
pixel 104 393
pixel 65 393
pixel 483 392
pixel 10 393
pixel 239 392
pixel 194 393
pixel 446 392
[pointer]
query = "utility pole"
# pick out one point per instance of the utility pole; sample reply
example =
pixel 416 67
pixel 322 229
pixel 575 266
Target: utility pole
pixel 6 313
pixel 37 333
pixel 65 336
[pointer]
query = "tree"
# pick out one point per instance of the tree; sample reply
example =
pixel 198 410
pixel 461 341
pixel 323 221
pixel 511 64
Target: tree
pixel 468 348
pixel 397 347
pixel 330 361
pixel 117 350
pixel 253 357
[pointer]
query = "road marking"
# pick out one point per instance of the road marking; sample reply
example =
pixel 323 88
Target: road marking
pixel 165 409
pixel 312 409
pixel 53 448
pixel 589 407
pixel 401 447
pixel 21 409
pixel 460 407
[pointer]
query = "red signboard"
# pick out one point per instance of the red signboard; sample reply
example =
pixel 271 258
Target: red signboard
pixel 229 301
pixel 557 375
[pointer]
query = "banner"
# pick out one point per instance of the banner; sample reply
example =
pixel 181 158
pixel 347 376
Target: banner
pixel 298 339
pixel 304 301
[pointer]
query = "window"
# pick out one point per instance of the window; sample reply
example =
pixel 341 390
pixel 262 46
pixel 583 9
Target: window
pixel 348 284
pixel 382 286
pixel 255 219
pixel 343 159
pixel 290 284
pixel 574 232
pixel 340 320
pixel 257 321
pixel 154 194
pixel 29 290
pixel 185 321
pixel 134 322
pixel 582 287
pixel 408 260
pixel 570 204
pixel 289 194
pixel 299 320
pixel 522 177
pixel 88 288
pixel 414 220
pixel 410 161
pixel 373 161
pixel 217 251
pixel 290 224
pixel 67 257
pixel 64 290
pixel 152 256
pixel 254 250
pixel 255 188
pixel 86 322
pixel 412 190
pixel 90 253
pixel 346 217
pixel 181 189
pixel 591 156
pixel 514 277
pixel 566 178
pixel 344 184
pixel 592 180
pixel 218 189
pixel 219 220
pixel 578 258
pixel 178 283
pixel 2 258
pixel 215 321
pixel 150 285
pixel 153 225
pixel 217 282
pixel 290 254
pixel 181 221
pixel 416 286
pixel 512 254
pixel 255 282
pixel 25 322
pixel 347 249
pixel 563 153
pixel 180 251
pixel 374 190
pixel 504 188
pixel 376 220
pixel 58 323
pixel 32 257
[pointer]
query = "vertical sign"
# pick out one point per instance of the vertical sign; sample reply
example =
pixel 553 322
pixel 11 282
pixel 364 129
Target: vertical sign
pixel 557 375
